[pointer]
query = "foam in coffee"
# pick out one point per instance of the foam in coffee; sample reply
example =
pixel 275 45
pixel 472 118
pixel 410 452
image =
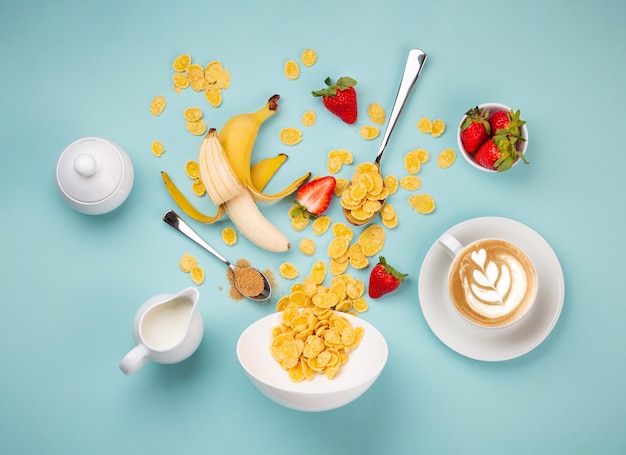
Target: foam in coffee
pixel 492 282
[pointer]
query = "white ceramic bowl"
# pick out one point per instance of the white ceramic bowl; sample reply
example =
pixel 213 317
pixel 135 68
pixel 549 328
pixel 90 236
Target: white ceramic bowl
pixel 320 394
pixel 94 175
pixel 491 107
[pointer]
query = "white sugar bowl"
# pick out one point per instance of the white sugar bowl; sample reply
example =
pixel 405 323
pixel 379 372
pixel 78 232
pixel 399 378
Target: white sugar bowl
pixel 94 175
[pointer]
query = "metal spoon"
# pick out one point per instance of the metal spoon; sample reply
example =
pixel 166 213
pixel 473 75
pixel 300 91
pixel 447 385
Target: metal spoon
pixel 414 64
pixel 172 218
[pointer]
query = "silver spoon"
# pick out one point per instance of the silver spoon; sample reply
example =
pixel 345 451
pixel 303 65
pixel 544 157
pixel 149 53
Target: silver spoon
pixel 172 218
pixel 414 64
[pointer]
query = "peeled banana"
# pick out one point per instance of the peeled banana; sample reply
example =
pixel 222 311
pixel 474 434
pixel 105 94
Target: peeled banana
pixel 225 189
pixel 234 185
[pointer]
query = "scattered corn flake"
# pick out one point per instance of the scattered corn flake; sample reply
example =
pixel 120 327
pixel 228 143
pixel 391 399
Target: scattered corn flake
pixel 318 272
pixel 334 165
pixel 422 155
pixel 412 163
pixel 337 247
pixel 422 203
pixel 411 182
pixel 391 183
pixel 157 105
pixel 369 132
pixel 292 70
pixel 309 118
pixel 372 239
pixel 308 57
pixel 300 222
pixel 343 155
pixel 342 230
pixel 157 148
pixel 307 246
pixel 223 80
pixel 229 236
pixel 195 74
pixel 336 267
pixel 197 274
pixel 192 114
pixel 192 169
pixel 446 158
pixel 181 63
pixel 213 95
pixel 213 71
pixel 288 270
pixel 180 81
pixel 197 128
pixel 389 216
pixel 198 187
pixel 425 125
pixel 360 304
pixel 290 136
pixel 341 184
pixel 376 113
pixel 438 128
pixel 356 256
pixel 187 262
pixel 320 224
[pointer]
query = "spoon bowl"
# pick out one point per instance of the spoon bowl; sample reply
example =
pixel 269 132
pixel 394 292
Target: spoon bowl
pixel 247 280
pixel 412 69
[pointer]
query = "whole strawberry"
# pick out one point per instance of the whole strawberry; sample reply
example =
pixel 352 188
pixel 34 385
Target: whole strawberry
pixel 475 129
pixel 340 98
pixel 506 122
pixel 499 153
pixel 384 279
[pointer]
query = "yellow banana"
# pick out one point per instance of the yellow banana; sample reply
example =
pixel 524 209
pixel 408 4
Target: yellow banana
pixel 263 171
pixel 225 190
pixel 248 219
pixel 238 136
pixel 186 206
pixel 216 172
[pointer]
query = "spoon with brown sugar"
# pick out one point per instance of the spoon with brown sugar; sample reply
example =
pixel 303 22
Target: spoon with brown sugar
pixel 250 282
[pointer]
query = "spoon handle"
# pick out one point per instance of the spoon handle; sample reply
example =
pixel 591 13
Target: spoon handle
pixel 414 64
pixel 172 218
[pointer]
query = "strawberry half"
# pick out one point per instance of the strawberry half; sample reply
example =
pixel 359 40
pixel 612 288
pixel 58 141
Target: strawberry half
pixel 340 98
pixel 314 197
pixel 475 129
pixel 384 279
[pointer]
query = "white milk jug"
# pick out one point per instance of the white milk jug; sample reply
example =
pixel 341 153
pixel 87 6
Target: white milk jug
pixel 168 328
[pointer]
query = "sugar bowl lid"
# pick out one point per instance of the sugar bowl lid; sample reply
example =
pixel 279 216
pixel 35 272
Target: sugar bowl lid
pixel 94 175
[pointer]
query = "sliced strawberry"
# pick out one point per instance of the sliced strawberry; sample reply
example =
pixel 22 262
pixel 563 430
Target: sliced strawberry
pixel 475 129
pixel 314 197
pixel 340 98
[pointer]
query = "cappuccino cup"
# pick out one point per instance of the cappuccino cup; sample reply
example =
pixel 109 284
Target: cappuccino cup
pixel 491 282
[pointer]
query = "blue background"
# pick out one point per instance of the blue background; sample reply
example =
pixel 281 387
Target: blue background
pixel 71 283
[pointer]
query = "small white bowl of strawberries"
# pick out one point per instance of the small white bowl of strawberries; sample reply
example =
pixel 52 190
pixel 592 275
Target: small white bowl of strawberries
pixel 493 137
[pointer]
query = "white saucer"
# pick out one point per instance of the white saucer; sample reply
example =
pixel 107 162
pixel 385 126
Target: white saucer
pixel 497 344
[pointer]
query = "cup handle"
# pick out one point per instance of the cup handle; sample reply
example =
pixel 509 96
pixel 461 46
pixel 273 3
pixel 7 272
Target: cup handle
pixel 134 360
pixel 451 244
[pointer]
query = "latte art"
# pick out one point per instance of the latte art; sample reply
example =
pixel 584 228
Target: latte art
pixel 492 283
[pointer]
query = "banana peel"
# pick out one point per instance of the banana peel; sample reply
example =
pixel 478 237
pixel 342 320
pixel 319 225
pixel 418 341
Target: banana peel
pixel 186 206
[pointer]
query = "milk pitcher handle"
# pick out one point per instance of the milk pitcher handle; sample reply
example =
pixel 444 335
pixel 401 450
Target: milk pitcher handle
pixel 450 244
pixel 135 359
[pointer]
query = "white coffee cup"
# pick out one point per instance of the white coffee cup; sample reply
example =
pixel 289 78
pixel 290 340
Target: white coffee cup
pixel 491 282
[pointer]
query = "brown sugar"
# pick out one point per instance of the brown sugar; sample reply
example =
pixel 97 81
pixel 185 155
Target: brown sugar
pixel 234 293
pixel 249 281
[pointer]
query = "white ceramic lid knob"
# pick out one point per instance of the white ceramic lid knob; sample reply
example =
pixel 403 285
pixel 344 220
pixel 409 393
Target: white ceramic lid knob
pixel 85 165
